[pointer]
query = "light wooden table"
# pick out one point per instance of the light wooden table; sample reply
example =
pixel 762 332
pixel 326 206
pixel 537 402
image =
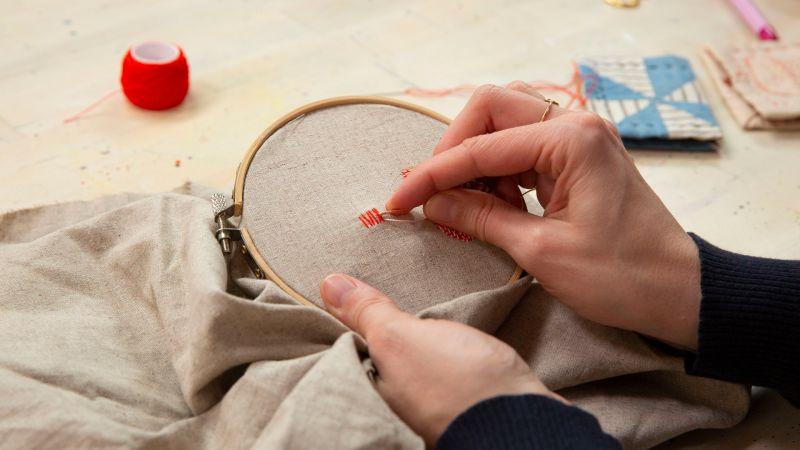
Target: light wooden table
pixel 252 61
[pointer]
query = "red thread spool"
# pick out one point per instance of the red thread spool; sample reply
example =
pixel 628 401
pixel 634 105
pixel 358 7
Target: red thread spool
pixel 155 75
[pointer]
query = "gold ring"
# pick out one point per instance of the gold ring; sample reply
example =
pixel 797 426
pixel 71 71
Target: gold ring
pixel 550 103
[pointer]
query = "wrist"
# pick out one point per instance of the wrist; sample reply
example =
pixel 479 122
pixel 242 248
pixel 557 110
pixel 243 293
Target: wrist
pixel 675 293
pixel 521 384
pixel 532 385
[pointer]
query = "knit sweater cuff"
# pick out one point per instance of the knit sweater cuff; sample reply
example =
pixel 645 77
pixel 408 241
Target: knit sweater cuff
pixel 524 422
pixel 749 320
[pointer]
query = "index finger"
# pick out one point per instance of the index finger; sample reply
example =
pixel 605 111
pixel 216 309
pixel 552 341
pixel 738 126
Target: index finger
pixel 494 108
pixel 506 152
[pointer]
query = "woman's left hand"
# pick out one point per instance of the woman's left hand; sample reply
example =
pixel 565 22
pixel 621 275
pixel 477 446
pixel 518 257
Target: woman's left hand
pixel 429 371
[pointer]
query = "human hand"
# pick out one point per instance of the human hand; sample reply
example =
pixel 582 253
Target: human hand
pixel 606 246
pixel 429 371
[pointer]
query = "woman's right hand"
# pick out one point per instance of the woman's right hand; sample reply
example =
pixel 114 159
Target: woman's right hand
pixel 606 246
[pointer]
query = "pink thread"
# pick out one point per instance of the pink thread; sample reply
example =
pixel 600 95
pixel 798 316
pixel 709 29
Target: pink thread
pixel 89 108
pixel 572 89
pixel 776 66
pixel 422 92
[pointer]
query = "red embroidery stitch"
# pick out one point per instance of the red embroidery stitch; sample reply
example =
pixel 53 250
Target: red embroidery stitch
pixel 453 233
pixel 405 172
pixel 371 218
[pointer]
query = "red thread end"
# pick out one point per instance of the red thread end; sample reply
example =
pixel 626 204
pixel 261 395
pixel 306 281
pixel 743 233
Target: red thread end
pixel 371 218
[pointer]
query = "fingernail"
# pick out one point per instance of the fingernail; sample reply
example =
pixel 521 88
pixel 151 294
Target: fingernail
pixel 396 211
pixel 389 207
pixel 335 288
pixel 442 208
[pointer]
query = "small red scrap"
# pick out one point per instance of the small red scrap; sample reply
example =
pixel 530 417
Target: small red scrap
pixel 371 218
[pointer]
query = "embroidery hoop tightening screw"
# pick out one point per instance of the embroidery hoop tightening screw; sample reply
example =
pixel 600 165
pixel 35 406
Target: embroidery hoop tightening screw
pixel 222 208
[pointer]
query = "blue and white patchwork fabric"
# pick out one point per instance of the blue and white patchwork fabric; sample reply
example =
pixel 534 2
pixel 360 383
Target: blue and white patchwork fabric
pixel 649 99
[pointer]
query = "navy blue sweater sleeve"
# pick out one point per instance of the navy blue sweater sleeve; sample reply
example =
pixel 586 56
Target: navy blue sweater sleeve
pixel 749 321
pixel 523 422
pixel 749 333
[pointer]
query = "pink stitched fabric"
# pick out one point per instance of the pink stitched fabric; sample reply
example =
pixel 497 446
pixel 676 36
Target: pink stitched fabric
pixel 760 83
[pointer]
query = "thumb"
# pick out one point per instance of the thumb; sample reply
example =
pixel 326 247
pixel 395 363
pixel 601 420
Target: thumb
pixel 482 215
pixel 358 305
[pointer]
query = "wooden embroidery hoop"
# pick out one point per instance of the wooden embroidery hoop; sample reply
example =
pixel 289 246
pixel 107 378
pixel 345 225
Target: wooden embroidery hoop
pixel 261 268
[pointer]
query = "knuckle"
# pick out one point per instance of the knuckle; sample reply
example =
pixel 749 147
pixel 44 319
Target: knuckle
pixel 612 129
pixel 472 146
pixel 518 85
pixel 387 339
pixel 593 130
pixel 486 93
pixel 485 142
pixel 483 214
pixel 538 244
pixel 500 354
pixel 506 356
pixel 525 88
pixel 362 307
pixel 628 157
pixel 589 121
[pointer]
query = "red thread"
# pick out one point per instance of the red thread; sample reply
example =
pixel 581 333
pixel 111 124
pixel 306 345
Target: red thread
pixel 453 233
pixel 371 218
pixel 482 184
pixel 155 75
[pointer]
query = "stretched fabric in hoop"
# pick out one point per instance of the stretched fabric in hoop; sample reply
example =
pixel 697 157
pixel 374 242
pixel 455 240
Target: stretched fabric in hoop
pixel 342 161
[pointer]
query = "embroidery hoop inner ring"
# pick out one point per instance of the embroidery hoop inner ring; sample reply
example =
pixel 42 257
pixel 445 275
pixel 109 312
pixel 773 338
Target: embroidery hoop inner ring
pixel 249 246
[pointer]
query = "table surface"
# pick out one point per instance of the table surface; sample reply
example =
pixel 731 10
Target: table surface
pixel 253 61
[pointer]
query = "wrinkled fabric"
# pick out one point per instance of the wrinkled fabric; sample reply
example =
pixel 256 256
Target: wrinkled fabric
pixel 122 325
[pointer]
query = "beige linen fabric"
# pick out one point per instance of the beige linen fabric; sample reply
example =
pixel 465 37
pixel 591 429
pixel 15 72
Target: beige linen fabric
pixel 308 184
pixel 759 83
pixel 121 326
